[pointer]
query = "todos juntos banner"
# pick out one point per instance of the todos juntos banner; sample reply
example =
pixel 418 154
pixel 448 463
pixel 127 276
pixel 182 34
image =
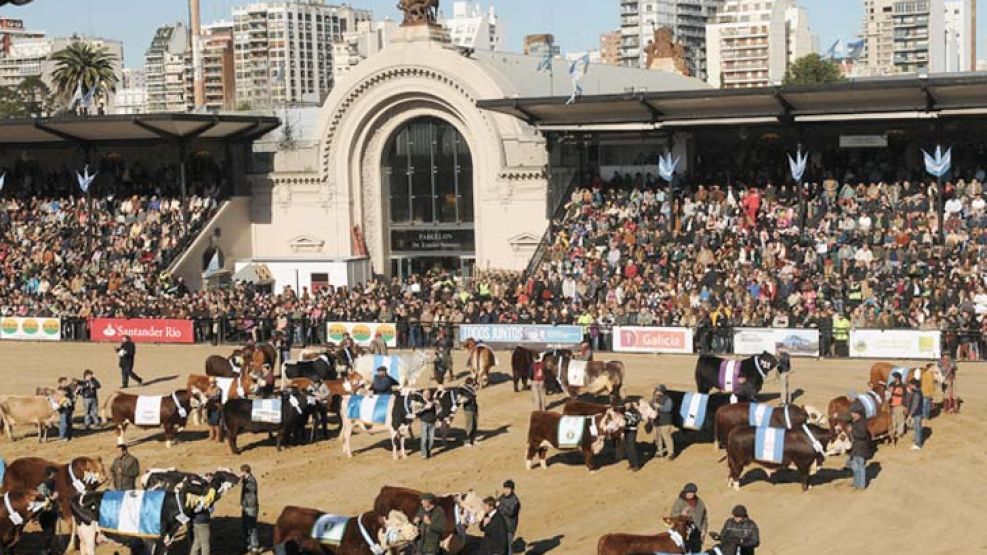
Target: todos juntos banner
pixel 362 332
pixel 31 329
pixel 511 335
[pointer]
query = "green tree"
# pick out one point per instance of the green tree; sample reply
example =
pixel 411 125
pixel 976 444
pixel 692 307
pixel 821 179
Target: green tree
pixel 35 96
pixel 813 70
pixel 11 105
pixel 82 62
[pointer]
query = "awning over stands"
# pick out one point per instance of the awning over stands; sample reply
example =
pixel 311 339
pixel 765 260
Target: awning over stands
pixel 132 129
pixel 856 99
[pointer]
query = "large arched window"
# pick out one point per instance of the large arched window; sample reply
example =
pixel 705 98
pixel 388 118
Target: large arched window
pixel 427 174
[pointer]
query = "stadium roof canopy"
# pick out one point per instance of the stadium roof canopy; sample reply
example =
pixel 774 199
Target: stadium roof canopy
pixel 908 97
pixel 132 130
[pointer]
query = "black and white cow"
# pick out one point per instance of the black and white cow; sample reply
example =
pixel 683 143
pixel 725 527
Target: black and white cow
pixel 713 372
pixel 238 417
pixel 318 369
pixel 176 509
pixel 219 481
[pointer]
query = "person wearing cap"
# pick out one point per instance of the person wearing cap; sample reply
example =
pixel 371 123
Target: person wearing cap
pixel 431 522
pixel 378 346
pixel 689 504
pixel 739 533
pixel 494 527
pixel 509 506
pixel 860 449
pixel 125 470
pixel 664 443
pixel 915 405
pixel 382 383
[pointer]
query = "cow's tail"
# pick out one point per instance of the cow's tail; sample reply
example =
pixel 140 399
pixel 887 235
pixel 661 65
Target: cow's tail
pixel 108 402
pixel 5 423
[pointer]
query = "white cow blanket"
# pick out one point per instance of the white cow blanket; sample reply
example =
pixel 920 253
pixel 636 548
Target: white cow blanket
pixel 267 411
pixel 147 411
pixel 570 431
pixel 576 373
pixel 329 529
pixel 226 385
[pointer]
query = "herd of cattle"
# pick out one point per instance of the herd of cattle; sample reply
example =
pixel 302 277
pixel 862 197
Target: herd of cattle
pixel 322 383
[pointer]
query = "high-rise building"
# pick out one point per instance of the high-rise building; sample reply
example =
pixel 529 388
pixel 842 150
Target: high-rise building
pixel 540 44
pixel 164 69
pixel 283 50
pixel 369 38
pixel 218 71
pixel 639 19
pixel 878 35
pixel 960 35
pixel 919 36
pixel 610 48
pixel 752 42
pixel 472 27
pixel 912 36
pixel 131 93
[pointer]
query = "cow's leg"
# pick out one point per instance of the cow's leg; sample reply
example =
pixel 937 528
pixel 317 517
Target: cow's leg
pixel 530 455
pixel 169 433
pixel 346 432
pixel 231 433
pixel 543 457
pixel 121 428
pixel 805 471
pixel 588 458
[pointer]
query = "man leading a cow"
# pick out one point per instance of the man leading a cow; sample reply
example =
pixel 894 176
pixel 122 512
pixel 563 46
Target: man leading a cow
pixel 127 352
pixel 690 505
pixel 48 518
pixel 431 523
pixel 860 449
pixel 125 470
pixel 739 531
pixel 896 400
pixel 664 443
pixel 510 508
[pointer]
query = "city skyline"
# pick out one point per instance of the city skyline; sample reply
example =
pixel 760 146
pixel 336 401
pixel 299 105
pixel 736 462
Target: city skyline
pixel 577 30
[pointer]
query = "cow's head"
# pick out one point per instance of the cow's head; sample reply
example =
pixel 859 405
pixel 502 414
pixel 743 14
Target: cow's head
pixel 814 415
pixel 784 362
pixel 839 442
pixel 682 525
pixel 396 531
pixel 768 361
pixel 223 480
pixel 646 410
pixel 353 382
pixel 471 508
pixel 93 472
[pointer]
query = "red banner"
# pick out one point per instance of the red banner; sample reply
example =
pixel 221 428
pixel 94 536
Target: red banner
pixel 632 339
pixel 141 331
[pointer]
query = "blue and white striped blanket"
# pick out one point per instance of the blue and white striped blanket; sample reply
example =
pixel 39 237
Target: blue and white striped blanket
pixel 693 410
pixel 769 444
pixel 267 411
pixel 759 415
pixel 392 363
pixel 3 469
pixel 329 529
pixel 368 408
pixel 132 513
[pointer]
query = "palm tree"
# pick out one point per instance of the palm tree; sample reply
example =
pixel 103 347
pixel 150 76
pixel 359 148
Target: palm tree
pixel 82 62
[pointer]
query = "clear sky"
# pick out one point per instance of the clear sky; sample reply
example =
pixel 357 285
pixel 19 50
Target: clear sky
pixel 576 23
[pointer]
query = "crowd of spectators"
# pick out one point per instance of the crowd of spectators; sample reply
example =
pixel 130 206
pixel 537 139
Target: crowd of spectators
pixel 629 251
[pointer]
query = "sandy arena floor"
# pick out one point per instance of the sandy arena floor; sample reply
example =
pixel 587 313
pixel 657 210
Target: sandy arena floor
pixel 929 501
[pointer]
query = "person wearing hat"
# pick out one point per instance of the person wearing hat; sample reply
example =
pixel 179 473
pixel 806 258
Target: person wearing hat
pixel 431 523
pixel 125 470
pixel 382 383
pixel 860 449
pixel 739 534
pixel 662 403
pixel 690 505
pixel 509 507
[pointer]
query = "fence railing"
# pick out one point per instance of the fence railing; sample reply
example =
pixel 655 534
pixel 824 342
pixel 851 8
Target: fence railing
pixel 962 344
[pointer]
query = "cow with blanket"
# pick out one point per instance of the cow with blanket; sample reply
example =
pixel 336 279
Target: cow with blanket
pixel 870 404
pixel 881 372
pixel 283 414
pixel 713 372
pixel 461 510
pixel 81 474
pixel 693 413
pixel 124 516
pixel 480 359
pixel 321 368
pixel 170 412
pixel 40 410
pixel 404 370
pixel 19 507
pixel 203 387
pixel 580 377
pixel 756 415
pixel 448 401
pixel 804 447
pixel 673 541
pixel 585 433
pixel 314 532
pixel 373 414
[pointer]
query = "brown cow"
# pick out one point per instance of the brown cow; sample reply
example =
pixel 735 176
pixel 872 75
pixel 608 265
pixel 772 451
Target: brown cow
pixel 295 526
pixel 598 377
pixel 37 410
pixel 738 414
pixel 543 431
pixel 172 415
pixel 19 507
pixel 799 450
pixel 672 541
pixel 880 373
pixel 480 359
pixel 203 387
pixel 839 408
pixel 225 367
pixel 522 363
pixel 80 475
pixel 462 510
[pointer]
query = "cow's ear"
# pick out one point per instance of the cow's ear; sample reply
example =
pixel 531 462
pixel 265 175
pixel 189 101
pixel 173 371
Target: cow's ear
pixel 668 520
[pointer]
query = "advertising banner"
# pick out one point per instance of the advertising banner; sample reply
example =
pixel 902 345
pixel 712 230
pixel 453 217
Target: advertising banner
pixel 895 344
pixel 510 335
pixel 141 330
pixel 362 332
pixel 31 329
pixel 796 342
pixel 637 339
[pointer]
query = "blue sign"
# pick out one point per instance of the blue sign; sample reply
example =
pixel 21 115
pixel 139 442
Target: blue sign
pixel 514 334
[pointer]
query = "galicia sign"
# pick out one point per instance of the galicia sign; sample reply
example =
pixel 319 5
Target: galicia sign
pixel 141 330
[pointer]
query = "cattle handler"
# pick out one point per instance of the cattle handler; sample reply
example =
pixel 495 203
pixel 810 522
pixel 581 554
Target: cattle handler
pixel 739 534
pixel 125 470
pixel 431 523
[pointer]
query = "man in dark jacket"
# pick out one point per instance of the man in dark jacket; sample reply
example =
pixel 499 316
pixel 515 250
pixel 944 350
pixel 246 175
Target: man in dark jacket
pixel 250 506
pixel 664 443
pixel 495 536
pixel 382 383
pixel 431 523
pixel 739 533
pixel 125 470
pixel 128 353
pixel 915 407
pixel 471 411
pixel 509 507
pixel 48 518
pixel 89 391
pixel 632 419
pixel 428 416
pixel 860 450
